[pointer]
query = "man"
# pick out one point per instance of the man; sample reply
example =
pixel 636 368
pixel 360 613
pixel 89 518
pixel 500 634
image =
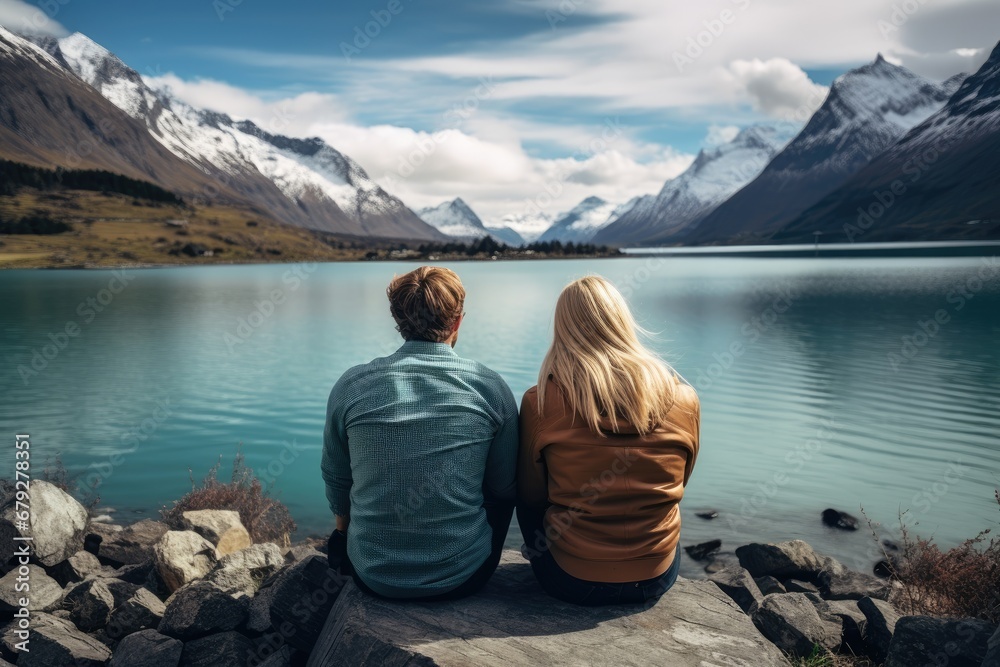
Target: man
pixel 420 454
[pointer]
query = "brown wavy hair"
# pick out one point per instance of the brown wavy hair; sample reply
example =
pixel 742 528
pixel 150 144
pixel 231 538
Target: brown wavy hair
pixel 426 303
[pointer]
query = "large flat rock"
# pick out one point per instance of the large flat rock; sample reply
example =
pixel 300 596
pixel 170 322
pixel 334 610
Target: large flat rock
pixel 513 622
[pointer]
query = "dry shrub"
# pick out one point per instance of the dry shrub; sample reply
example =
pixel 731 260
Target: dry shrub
pixel 963 581
pixel 264 517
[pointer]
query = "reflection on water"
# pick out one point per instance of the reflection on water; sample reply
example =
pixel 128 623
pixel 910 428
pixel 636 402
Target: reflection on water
pixel 824 383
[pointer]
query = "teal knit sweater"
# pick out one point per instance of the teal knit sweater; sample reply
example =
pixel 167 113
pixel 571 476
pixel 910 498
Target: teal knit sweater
pixel 412 442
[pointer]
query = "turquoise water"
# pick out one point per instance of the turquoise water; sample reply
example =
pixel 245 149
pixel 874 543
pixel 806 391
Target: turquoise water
pixel 819 386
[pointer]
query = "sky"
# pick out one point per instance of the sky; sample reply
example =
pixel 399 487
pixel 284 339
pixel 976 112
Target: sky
pixel 518 105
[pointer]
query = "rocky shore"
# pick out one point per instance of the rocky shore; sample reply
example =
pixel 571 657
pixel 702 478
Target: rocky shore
pixel 91 594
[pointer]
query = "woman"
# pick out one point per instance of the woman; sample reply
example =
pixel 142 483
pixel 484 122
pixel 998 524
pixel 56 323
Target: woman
pixel 608 440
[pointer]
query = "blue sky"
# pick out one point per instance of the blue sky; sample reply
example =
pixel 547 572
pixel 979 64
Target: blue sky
pixel 525 90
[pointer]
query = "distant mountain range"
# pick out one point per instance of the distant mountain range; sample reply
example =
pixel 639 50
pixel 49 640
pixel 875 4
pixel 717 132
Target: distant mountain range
pixel 583 221
pixel 70 102
pixel 455 219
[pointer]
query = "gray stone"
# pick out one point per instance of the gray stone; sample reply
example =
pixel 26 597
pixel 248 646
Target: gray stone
pixel 245 570
pixel 181 556
pixel 91 602
pixel 57 523
pixel 768 585
pixel 792 559
pixel 880 624
pixel 211 524
pixel 200 609
pixel 226 649
pixel 45 593
pixel 851 619
pixel 852 585
pixel 132 545
pixel 300 552
pixel 737 583
pixel 302 595
pixel 992 658
pixel 512 622
pixel 922 640
pixel 280 658
pixel 259 616
pixel 792 622
pixel 799 586
pixel 142 611
pixel 147 648
pixel 76 568
pixel 55 641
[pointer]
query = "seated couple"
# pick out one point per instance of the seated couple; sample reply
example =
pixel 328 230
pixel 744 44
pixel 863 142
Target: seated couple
pixel 424 456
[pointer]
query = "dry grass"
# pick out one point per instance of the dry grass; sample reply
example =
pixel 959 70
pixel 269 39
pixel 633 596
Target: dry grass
pixel 821 657
pixel 264 517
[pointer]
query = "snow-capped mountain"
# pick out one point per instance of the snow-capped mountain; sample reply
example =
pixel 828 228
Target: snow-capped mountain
pixel 529 226
pixel 715 174
pixel 867 110
pixel 456 219
pixel 941 181
pixel 300 181
pixel 584 220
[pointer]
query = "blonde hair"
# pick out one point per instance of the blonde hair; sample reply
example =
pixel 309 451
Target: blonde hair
pixel 600 365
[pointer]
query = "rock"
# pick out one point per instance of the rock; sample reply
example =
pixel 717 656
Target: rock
pixel 226 649
pixel 259 613
pixel 92 602
pixel 57 524
pixel 142 611
pixel 792 622
pixel 886 568
pixel 136 574
pixel 132 545
pixel 720 561
pixel 147 648
pixel 794 558
pixel 92 543
pixel 280 658
pixel 76 568
pixel 55 641
pixel 921 640
pixel 992 658
pixel 798 586
pixel 737 583
pixel 703 550
pixel 851 619
pixel 301 552
pixel 181 556
pixel 880 624
pixel 838 519
pixel 768 585
pixel 200 609
pixel 45 593
pixel 302 595
pixel 233 540
pixel 851 585
pixel 245 570
pixel 707 514
pixel 513 622
pixel 211 524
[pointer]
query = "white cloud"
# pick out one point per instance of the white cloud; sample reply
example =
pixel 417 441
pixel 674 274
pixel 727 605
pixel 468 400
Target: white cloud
pixel 777 87
pixel 21 17
pixel 721 134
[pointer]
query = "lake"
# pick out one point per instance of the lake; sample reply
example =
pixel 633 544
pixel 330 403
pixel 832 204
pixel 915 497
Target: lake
pixel 829 382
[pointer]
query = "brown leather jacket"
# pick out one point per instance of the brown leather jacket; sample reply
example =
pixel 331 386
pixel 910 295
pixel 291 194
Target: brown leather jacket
pixel 613 513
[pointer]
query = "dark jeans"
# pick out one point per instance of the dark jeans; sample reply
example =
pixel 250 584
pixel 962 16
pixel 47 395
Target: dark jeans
pixel 563 586
pixel 497 515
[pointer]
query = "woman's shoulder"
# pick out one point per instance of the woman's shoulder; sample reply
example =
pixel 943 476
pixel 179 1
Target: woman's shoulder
pixel 686 396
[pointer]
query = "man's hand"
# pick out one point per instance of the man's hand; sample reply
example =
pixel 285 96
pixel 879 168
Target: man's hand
pixel 336 548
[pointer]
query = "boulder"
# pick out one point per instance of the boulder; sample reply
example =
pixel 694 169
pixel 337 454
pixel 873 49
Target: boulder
pixel 244 571
pixel 132 545
pixel 850 585
pixel 992 658
pixel 708 515
pixel 792 559
pixel 837 519
pixel 923 640
pixel 851 619
pixel 513 622
pixel 738 585
pixel 768 585
pixel 720 561
pixel 181 556
pixel 57 524
pixel 302 595
pixel 45 593
pixel 200 609
pixel 301 552
pixel 147 648
pixel 232 540
pixel 76 568
pixel 793 623
pixel 91 602
pixel 211 524
pixel 280 658
pixel 55 641
pixel 259 613
pixel 142 611
pixel 225 649
pixel 704 550
pixel 799 586
pixel 880 624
